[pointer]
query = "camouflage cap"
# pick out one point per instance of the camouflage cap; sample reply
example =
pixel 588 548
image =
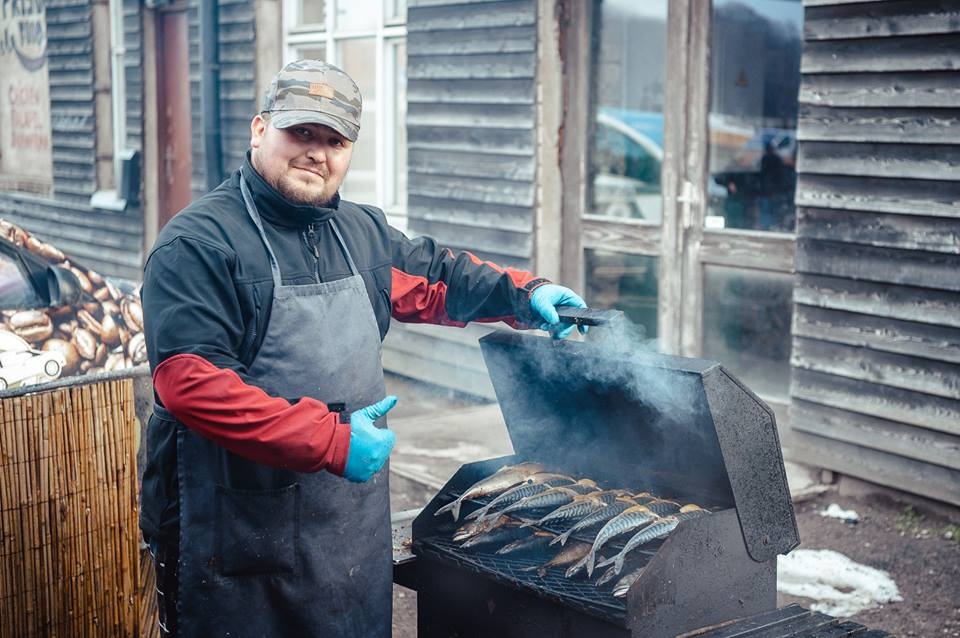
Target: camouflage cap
pixel 314 92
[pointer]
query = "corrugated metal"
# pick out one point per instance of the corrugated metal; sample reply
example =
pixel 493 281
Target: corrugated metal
pixel 471 136
pixel 108 242
pixel 876 348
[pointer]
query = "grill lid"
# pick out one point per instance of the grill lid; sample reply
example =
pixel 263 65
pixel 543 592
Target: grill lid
pixel 679 426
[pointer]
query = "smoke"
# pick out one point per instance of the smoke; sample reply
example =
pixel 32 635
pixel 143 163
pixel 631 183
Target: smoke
pixel 609 408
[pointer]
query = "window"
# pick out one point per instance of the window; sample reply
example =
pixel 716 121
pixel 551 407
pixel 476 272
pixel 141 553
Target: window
pixel 367 39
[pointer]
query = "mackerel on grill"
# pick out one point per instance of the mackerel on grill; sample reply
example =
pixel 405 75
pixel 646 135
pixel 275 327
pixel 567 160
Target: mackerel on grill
pixel 500 481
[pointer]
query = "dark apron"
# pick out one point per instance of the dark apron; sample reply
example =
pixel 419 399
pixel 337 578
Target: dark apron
pixel 274 553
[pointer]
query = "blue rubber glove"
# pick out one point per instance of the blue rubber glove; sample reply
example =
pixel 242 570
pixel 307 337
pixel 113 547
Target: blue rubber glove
pixel 544 301
pixel 369 445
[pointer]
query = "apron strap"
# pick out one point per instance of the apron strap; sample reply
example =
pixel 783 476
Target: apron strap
pixel 255 216
pixel 343 245
pixel 274 265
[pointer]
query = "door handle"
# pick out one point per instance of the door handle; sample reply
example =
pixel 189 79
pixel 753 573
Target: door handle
pixel 688 196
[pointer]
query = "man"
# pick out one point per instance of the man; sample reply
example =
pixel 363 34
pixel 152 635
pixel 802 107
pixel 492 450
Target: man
pixel 265 304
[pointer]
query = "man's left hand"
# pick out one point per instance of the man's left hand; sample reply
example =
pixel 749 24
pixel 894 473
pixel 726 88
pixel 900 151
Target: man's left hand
pixel 544 301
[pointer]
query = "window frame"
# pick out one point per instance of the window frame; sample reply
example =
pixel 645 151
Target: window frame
pixel 681 241
pixel 385 33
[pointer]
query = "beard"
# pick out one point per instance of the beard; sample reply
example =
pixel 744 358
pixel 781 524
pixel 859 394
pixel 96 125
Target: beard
pixel 296 192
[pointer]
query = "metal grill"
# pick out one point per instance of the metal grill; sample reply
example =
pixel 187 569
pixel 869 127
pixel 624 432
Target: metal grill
pixel 696 435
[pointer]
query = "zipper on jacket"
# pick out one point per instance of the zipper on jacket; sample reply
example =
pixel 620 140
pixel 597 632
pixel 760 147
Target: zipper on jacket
pixel 312 242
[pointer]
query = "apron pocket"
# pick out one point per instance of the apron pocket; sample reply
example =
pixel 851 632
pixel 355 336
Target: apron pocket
pixel 258 531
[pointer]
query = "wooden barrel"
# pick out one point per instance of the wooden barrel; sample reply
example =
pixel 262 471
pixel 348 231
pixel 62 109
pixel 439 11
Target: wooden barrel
pixel 69 555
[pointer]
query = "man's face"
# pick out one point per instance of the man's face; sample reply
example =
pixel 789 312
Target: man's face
pixel 306 163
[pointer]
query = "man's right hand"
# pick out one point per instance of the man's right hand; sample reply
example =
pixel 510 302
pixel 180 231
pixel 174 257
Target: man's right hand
pixel 369 446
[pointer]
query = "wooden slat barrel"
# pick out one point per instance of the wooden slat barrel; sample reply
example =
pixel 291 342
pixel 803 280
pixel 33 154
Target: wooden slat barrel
pixel 69 555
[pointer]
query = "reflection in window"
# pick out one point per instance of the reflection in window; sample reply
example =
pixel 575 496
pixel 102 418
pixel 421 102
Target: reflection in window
pixel 625 282
pixel 746 318
pixel 360 184
pixel 398 196
pixel 15 289
pixel 312 53
pixel 628 146
pixel 755 60
pixel 312 12
pixel 366 38
pixel 357 14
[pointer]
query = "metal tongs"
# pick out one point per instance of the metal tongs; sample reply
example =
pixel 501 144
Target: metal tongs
pixel 587 316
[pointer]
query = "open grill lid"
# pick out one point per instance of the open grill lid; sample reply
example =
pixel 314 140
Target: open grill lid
pixel 678 426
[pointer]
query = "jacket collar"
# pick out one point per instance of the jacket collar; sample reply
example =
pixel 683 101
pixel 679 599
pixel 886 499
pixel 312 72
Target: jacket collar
pixel 276 209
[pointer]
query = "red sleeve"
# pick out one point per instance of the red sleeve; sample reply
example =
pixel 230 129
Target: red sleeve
pixel 217 404
pixel 433 284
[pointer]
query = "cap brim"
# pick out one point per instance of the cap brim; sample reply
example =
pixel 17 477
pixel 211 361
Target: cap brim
pixel 286 119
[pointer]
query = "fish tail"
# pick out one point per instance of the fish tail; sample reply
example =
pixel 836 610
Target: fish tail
pixel 477 513
pixel 576 567
pixel 605 562
pixel 591 559
pixel 618 564
pixel 562 538
pixel 453 505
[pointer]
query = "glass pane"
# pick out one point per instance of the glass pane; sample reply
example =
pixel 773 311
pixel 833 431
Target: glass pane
pixel 312 12
pixel 15 289
pixel 357 57
pixel 628 149
pixel 755 73
pixel 746 318
pixel 312 52
pixel 395 10
pixel 626 282
pixel 357 14
pixel 399 169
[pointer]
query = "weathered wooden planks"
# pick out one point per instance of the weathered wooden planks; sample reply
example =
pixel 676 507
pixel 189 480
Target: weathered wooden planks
pixel 933 198
pixel 938 89
pixel 885 54
pixel 873 332
pixel 900 302
pixel 908 232
pixel 876 350
pixel 900 18
pixel 471 140
pixel 877 263
pixel 889 370
pixel 896 161
pixel 879 434
pixel 919 477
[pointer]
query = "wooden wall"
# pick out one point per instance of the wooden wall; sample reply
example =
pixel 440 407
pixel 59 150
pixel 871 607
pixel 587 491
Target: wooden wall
pixel 109 242
pixel 238 95
pixel 876 334
pixel 471 136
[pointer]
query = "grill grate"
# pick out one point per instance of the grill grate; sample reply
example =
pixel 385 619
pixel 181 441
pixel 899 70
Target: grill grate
pixel 582 595
pixel 576 592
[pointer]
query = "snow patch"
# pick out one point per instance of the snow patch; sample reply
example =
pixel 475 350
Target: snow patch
pixel 835 511
pixel 840 586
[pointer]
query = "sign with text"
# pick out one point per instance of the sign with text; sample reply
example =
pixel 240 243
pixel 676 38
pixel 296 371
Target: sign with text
pixel 25 145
